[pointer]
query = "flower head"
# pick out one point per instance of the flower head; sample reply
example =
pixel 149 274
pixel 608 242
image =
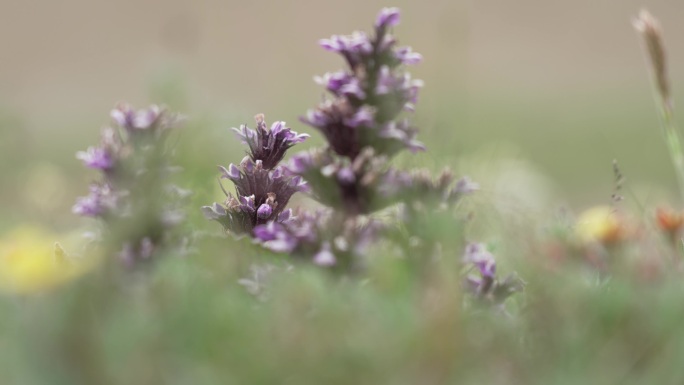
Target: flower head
pixel 268 145
pixel 153 118
pixel 262 187
pixel 133 188
pixel 370 94
pixel 261 196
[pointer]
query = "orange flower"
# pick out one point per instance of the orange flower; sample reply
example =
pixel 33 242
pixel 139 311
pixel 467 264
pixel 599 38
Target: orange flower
pixel 669 220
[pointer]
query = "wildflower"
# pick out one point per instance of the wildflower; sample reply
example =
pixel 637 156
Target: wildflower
pixel 101 200
pixel 477 255
pixel 325 257
pixel 96 157
pixel 30 262
pixel 261 195
pixel 670 222
pixel 262 188
pixel 133 197
pixel 268 145
pixel 600 224
pixel 352 175
pixel 153 119
pixel 329 241
pixel 484 284
pixel 388 17
pixel 370 94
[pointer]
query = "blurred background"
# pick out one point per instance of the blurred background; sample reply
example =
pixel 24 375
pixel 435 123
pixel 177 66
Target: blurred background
pixel 557 89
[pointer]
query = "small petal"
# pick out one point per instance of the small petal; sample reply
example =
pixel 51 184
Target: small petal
pixel 364 117
pixel 325 257
pixel 466 186
pixel 333 44
pixel 346 175
pixel 96 157
pixel 407 56
pixel 232 172
pixel 388 17
pixel 285 216
pixel 123 115
pixel 264 211
pixel 147 117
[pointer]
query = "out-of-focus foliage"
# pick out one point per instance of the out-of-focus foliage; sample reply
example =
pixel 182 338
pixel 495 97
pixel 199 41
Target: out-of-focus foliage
pixel 601 299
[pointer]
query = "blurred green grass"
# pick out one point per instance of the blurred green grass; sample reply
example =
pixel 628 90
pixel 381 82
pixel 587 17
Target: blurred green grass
pixel 189 321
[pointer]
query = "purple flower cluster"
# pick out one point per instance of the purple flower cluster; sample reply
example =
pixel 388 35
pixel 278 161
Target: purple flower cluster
pixel 352 175
pixel 268 145
pixel 360 122
pixel 262 187
pixel 133 196
pixel 368 96
pixel 101 201
pixel 349 186
pixel 327 240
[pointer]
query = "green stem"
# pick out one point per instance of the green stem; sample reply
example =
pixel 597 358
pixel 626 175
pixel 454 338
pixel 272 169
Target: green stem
pixel 673 141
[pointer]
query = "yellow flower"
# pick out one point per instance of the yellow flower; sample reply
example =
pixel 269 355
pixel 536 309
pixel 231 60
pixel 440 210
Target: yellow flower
pixel 31 262
pixel 600 224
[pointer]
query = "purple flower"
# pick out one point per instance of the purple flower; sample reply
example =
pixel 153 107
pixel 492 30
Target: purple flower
pixel 232 172
pixel 126 117
pixel 319 237
pixel 406 56
pixel 99 202
pixel 148 122
pixel 215 211
pixel 264 211
pixel 388 17
pixel 123 115
pixel 466 186
pixel 346 175
pixel 385 81
pixel 286 216
pixel 370 94
pixel 342 83
pixel 363 117
pixel 301 162
pixel 133 166
pixel 355 44
pixel 317 118
pixel 268 145
pixel 325 257
pixel 485 284
pixel 147 117
pixel 275 237
pixel 262 194
pixel 403 135
pixel 477 254
pixel 247 203
pixel 96 157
